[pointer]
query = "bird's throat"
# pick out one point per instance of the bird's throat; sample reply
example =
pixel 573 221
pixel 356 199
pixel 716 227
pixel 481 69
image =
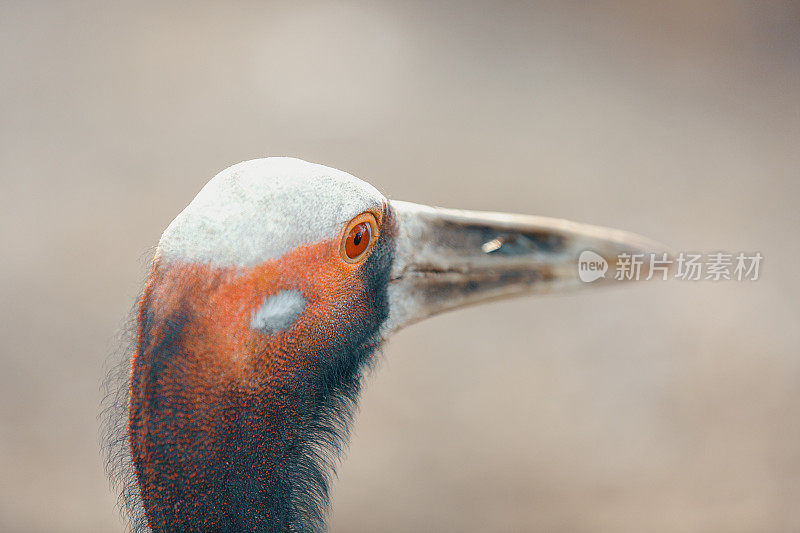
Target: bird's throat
pixel 230 430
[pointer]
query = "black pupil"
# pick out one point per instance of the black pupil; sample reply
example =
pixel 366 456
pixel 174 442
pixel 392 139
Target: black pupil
pixel 357 237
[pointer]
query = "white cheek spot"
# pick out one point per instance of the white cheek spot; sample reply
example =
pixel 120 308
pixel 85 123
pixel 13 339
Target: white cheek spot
pixel 278 312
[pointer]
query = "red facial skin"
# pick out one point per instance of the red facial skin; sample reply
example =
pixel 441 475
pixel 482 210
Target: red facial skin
pixel 216 407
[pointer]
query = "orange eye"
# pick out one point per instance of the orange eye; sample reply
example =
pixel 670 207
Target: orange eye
pixel 358 237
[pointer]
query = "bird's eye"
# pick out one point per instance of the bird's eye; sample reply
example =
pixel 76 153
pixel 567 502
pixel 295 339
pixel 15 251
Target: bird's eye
pixel 359 236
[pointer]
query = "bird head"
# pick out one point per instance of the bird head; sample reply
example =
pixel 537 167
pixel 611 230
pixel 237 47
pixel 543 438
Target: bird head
pixel 268 296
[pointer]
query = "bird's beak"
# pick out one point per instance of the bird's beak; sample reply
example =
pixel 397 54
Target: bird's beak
pixel 447 258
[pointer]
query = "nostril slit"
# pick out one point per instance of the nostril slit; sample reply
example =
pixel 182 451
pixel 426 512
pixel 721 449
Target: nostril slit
pixel 492 246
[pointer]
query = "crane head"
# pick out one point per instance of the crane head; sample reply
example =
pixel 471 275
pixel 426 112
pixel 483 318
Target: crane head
pixel 268 295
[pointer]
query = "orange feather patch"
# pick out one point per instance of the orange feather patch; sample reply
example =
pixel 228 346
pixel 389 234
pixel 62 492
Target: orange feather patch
pixel 201 375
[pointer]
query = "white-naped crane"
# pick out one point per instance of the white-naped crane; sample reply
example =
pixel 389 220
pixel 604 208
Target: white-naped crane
pixel 267 299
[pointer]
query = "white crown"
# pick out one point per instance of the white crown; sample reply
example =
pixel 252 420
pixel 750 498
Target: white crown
pixel 260 209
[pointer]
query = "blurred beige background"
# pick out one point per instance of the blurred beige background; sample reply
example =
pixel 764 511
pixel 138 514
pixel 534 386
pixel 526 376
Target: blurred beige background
pixel 661 408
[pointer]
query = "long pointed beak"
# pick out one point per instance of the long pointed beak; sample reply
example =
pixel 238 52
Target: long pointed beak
pixel 447 258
